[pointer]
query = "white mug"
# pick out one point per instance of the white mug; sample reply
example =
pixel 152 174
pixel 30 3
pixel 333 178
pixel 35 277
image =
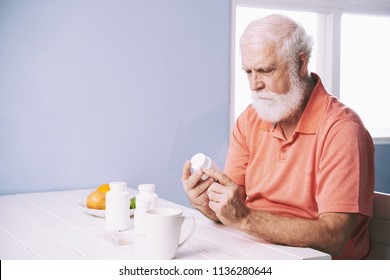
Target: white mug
pixel 163 229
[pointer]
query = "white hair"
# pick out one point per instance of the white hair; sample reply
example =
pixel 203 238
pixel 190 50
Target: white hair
pixel 289 36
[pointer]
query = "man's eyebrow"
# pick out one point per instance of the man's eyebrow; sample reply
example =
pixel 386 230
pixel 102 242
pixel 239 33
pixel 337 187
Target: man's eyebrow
pixel 260 67
pixel 264 67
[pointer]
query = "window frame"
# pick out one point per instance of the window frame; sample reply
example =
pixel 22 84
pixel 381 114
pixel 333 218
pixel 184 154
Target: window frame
pixel 328 40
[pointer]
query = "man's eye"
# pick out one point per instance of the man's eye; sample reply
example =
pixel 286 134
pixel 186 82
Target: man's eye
pixel 248 72
pixel 265 70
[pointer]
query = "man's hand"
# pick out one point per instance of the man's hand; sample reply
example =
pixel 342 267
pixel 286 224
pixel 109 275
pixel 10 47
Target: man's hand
pixel 226 198
pixel 196 190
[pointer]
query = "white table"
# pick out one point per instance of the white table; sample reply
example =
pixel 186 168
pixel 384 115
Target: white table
pixel 52 225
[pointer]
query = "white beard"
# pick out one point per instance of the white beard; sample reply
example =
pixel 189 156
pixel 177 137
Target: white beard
pixel 275 107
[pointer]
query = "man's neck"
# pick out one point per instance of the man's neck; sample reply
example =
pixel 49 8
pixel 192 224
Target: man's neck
pixel 289 125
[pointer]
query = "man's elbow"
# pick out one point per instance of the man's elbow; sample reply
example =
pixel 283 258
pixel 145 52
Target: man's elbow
pixel 338 232
pixel 336 244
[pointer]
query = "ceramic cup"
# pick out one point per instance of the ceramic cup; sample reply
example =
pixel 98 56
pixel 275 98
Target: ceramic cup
pixel 163 230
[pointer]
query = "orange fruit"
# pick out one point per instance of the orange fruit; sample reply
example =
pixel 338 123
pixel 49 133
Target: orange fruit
pixel 103 188
pixel 97 200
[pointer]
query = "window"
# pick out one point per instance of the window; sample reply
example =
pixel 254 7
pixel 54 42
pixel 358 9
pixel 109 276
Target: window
pixel 347 54
pixel 365 60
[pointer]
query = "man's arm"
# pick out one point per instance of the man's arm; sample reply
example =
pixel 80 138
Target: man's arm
pixel 329 233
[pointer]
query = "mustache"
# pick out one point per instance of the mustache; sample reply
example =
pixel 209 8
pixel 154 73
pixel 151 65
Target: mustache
pixel 266 95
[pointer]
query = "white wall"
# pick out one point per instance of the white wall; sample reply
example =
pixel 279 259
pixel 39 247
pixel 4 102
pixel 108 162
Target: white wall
pixel 95 91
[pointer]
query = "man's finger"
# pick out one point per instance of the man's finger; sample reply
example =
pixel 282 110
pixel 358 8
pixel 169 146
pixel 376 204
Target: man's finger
pixel 216 187
pixel 201 188
pixel 213 205
pixel 194 181
pixel 186 173
pixel 218 176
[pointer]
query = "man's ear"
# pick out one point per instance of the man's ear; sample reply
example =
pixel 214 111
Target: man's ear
pixel 303 64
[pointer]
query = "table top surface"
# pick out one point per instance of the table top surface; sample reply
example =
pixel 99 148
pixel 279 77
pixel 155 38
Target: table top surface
pixel 56 225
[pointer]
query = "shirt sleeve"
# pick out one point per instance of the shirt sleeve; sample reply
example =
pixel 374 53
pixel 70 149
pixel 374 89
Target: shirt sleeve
pixel 238 152
pixel 346 171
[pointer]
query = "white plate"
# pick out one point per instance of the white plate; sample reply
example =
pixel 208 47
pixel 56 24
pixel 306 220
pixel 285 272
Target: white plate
pixel 98 213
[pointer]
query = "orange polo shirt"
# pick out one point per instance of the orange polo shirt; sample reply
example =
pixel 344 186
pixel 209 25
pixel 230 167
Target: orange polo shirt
pixel 326 166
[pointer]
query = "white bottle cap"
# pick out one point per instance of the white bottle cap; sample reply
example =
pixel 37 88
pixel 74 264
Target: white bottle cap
pixel 147 187
pixel 200 161
pixel 120 186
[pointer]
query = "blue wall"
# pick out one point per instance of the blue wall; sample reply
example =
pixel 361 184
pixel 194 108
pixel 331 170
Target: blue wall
pixel 382 167
pixel 95 91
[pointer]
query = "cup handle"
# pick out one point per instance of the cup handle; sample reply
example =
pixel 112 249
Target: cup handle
pixel 191 232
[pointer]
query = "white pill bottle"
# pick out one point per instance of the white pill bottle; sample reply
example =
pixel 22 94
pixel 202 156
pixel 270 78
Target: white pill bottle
pixel 201 161
pixel 118 207
pixel 147 192
pixel 146 199
pixel 139 216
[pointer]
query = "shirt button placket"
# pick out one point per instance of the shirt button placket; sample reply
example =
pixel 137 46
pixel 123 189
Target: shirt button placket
pixel 283 153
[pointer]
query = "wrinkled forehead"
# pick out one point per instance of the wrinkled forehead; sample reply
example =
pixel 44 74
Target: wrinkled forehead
pixel 266 42
pixel 257 38
pixel 264 53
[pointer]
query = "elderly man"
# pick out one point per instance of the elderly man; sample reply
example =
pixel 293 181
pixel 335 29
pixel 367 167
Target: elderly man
pixel 300 165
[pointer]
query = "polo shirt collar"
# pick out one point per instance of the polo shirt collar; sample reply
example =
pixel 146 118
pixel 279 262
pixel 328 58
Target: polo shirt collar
pixel 273 128
pixel 267 126
pixel 314 109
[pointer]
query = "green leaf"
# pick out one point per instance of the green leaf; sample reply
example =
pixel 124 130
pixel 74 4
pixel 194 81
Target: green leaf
pixel 132 203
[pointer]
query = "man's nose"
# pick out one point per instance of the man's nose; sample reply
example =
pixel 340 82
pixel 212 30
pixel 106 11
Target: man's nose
pixel 256 82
